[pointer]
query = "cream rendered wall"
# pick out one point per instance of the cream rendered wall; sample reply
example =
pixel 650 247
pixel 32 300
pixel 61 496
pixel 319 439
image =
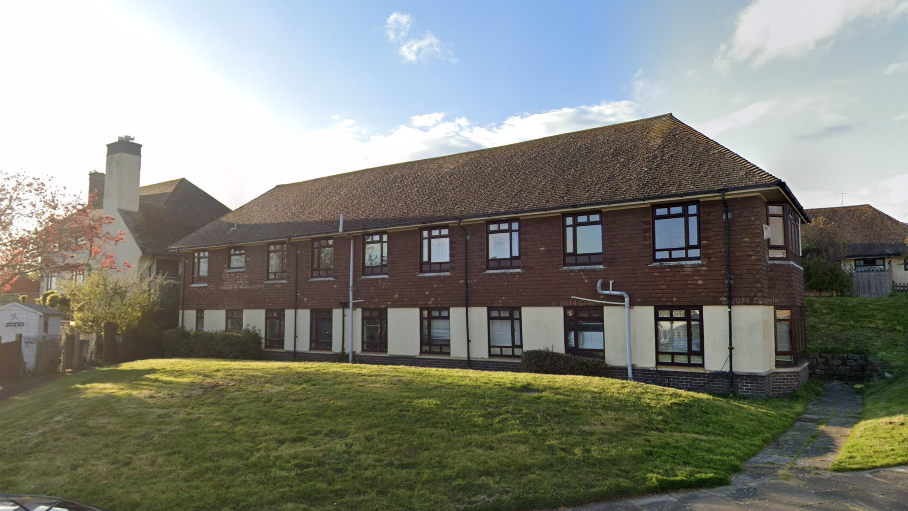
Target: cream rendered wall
pixel 899 275
pixel 543 328
pixel 215 320
pixel 289 322
pixel 252 318
pixel 357 330
pixel 643 336
pixel 754 338
pixel 189 319
pixel 479 332
pixel 302 330
pixel 403 331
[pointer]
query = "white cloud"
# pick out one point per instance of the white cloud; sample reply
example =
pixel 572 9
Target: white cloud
pixel 737 119
pixel 644 90
pixel 770 29
pixel 398 25
pixel 426 120
pixel 886 195
pixel 903 117
pixel 895 67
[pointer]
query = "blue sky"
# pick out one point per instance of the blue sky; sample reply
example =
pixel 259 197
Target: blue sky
pixel 241 96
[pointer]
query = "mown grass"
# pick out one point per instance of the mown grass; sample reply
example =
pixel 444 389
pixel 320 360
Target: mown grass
pixel 209 434
pixel 877 327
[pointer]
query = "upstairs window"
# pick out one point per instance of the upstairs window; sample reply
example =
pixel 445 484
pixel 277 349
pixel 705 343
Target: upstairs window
pixel 234 320
pixel 236 259
pixel 51 281
pixel 435 335
pixel 436 250
pixel 375 254
pixel 274 328
pixel 584 332
pixel 790 336
pixel 200 320
pixel 321 329
pixel 277 254
pixel 784 231
pixel 375 330
pixel 200 267
pixel 503 244
pixel 323 258
pixel 583 239
pixel 679 336
pixel 676 232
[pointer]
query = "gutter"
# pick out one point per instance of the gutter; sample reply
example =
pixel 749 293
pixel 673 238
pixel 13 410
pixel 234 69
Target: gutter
pixel 466 285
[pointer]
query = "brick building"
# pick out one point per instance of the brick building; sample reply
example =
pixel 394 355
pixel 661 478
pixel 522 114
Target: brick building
pixel 472 258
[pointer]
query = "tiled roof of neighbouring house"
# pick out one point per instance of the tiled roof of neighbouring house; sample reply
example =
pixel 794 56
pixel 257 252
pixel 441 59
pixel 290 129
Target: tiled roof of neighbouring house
pixel 168 212
pixel 867 230
pixel 650 158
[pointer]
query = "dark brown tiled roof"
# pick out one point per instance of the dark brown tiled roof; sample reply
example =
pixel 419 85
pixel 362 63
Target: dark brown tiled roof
pixel 867 230
pixel 168 212
pixel 649 158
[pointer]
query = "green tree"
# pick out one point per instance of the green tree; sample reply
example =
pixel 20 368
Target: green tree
pixel 822 259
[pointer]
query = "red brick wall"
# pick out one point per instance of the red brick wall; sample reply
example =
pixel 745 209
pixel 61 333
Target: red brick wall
pixel 628 259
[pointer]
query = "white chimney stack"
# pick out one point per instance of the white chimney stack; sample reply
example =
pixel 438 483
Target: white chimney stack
pixel 121 184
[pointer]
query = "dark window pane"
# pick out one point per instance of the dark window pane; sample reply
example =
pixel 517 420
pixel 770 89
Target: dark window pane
pixel 670 233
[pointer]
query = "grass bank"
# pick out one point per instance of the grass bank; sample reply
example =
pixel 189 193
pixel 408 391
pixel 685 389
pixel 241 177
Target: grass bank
pixel 238 435
pixel 877 327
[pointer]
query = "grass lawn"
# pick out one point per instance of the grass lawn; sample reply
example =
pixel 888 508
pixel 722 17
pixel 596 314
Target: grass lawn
pixel 211 434
pixel 877 327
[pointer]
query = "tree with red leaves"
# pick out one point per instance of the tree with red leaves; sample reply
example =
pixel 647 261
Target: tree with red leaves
pixel 44 229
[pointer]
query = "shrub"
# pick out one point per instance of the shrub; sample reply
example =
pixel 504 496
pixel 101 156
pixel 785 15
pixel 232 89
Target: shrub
pixel 243 345
pixel 550 362
pixel 177 343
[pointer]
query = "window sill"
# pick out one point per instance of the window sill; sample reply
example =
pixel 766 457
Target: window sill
pixel 505 270
pixel 200 284
pixel 374 277
pixel 660 264
pixel 786 263
pixel 276 281
pixel 435 274
pixel 435 355
pixel 321 279
pixel 236 270
pixel 690 369
pixel 586 267
pixel 504 358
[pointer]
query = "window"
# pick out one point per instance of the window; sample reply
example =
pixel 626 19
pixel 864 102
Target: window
pixel 234 320
pixel 321 329
pixel 869 263
pixel 784 231
pixel 277 254
pixel 78 276
pixel 375 254
pixel 274 328
pixel 323 258
pixel 435 335
pixel 200 267
pixel 236 259
pixel 583 239
pixel 200 320
pixel 790 336
pixel 679 336
pixel 436 250
pixel 676 232
pixel 583 331
pixel 505 339
pixel 503 244
pixel 375 330
pixel 51 281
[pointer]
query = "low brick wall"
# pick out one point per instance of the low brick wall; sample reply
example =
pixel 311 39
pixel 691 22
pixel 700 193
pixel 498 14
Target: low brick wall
pixel 839 366
pixel 753 385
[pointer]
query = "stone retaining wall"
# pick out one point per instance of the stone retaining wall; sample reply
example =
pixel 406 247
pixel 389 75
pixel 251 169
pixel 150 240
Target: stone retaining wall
pixel 839 366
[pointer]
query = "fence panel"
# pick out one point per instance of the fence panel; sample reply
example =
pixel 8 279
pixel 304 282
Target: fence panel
pixel 871 284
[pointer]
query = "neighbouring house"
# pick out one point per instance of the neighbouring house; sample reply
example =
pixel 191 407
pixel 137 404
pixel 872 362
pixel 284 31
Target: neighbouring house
pixel 31 289
pixel 468 260
pixel 874 240
pixel 152 217
pixel 36 324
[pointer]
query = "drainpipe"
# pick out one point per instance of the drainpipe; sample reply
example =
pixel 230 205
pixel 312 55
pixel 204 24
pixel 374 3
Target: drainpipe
pixel 729 280
pixel 183 292
pixel 296 292
pixel 350 301
pixel 466 285
pixel 627 320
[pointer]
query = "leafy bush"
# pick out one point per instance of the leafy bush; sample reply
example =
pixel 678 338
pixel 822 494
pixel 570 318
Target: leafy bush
pixel 243 345
pixel 550 362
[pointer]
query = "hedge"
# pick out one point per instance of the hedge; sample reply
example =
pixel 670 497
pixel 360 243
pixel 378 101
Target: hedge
pixel 242 345
pixel 550 362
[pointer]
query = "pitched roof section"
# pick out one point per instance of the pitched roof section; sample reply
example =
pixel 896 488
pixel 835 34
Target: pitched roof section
pixel 867 230
pixel 42 309
pixel 168 212
pixel 649 158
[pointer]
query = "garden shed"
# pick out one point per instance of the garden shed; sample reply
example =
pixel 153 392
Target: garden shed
pixel 36 323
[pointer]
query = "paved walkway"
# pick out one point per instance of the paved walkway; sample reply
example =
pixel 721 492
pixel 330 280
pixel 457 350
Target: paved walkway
pixel 792 473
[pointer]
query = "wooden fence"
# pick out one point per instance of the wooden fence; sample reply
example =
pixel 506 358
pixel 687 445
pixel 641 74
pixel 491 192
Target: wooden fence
pixel 871 283
pixel 900 288
pixel 12 366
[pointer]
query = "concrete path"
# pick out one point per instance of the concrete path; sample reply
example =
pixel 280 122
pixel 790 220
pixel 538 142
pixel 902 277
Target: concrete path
pixel 792 473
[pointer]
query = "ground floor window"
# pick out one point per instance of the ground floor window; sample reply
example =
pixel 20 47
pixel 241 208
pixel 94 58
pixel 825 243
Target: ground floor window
pixel 375 330
pixel 200 320
pixel 790 336
pixel 583 331
pixel 505 339
pixel 274 328
pixel 234 320
pixel 321 329
pixel 679 336
pixel 435 334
